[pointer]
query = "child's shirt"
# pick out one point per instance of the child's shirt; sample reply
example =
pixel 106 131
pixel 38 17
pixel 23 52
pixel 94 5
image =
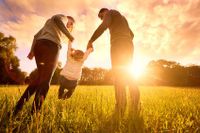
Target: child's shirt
pixel 73 69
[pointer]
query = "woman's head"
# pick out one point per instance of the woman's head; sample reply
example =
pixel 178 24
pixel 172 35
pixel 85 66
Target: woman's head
pixel 77 55
pixel 70 23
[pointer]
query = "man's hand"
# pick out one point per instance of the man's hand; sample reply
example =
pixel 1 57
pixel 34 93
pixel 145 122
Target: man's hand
pixel 90 49
pixel 30 55
pixel 69 42
pixel 90 45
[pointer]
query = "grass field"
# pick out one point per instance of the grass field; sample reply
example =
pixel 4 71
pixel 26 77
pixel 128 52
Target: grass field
pixel 91 110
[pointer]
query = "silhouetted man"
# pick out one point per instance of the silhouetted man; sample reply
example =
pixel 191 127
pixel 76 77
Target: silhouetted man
pixel 121 55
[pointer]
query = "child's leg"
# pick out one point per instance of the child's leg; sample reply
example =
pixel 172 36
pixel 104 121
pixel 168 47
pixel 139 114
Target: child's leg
pixel 61 92
pixel 70 85
pixel 70 92
pixel 62 87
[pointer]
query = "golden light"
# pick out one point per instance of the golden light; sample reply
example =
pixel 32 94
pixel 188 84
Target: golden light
pixel 137 69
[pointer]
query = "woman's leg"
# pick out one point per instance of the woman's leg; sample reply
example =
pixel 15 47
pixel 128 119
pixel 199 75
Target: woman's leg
pixel 46 53
pixel 30 90
pixel 25 97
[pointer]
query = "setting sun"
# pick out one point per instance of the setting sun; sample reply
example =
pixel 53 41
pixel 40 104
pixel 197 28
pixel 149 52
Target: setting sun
pixel 137 70
pixel 138 67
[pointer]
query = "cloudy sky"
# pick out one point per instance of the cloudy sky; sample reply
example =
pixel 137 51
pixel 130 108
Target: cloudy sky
pixel 164 29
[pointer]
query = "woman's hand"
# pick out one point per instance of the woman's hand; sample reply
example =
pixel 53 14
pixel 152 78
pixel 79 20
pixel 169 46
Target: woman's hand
pixel 30 55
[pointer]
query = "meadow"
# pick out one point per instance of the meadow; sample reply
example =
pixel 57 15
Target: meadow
pixel 91 110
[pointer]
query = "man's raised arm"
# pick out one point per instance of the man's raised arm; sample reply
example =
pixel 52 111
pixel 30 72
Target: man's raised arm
pixel 102 27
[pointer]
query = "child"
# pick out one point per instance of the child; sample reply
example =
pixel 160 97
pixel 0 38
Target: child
pixel 72 70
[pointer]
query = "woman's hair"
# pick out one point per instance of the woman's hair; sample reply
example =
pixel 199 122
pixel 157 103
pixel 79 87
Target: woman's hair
pixel 77 55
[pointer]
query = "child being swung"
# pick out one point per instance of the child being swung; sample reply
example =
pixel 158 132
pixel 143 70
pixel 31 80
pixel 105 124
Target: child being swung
pixel 72 71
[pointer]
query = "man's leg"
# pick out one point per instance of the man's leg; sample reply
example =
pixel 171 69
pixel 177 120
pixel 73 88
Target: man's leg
pixel 133 90
pixel 121 56
pixel 120 97
pixel 120 92
pixel 134 95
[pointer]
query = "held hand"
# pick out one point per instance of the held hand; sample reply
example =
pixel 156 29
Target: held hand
pixel 30 55
pixel 90 45
pixel 91 49
pixel 69 42
pixel 71 39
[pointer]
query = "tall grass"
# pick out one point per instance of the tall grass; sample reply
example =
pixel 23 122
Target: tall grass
pixel 91 109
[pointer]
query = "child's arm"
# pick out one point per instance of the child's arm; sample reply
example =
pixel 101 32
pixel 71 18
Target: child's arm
pixel 69 50
pixel 87 53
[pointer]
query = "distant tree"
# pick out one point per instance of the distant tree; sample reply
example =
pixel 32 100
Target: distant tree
pixel 193 78
pixel 163 72
pixel 10 73
pixel 32 76
pixel 55 79
pixel 96 76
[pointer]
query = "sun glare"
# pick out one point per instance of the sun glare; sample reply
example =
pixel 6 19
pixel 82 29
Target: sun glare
pixel 137 69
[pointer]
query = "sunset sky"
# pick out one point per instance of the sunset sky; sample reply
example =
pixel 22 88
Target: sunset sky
pixel 164 29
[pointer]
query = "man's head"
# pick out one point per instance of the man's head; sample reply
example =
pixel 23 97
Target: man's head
pixel 70 23
pixel 102 13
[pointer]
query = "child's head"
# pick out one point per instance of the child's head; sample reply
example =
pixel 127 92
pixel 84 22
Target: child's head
pixel 77 55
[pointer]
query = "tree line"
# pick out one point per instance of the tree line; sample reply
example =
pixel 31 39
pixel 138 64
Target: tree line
pixel 10 73
pixel 158 72
pixel 163 72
